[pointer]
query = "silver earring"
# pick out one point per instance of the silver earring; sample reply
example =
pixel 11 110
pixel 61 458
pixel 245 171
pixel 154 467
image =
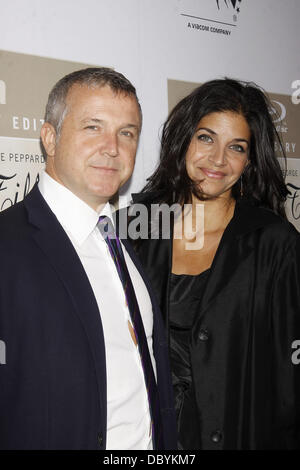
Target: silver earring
pixel 241 186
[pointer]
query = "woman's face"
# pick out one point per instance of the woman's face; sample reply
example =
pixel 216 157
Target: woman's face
pixel 218 152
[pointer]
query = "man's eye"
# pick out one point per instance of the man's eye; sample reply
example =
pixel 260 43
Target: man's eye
pixel 127 133
pixel 204 138
pixel 93 128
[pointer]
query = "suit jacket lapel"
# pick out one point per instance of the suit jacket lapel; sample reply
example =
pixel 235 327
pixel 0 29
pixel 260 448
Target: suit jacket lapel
pixel 54 242
pixel 157 253
pixel 153 298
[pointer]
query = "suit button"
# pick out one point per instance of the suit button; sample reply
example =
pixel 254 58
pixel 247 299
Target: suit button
pixel 100 440
pixel 203 334
pixel 216 436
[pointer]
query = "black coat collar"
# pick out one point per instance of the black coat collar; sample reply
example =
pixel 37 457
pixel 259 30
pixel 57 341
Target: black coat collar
pixel 157 254
pixel 248 216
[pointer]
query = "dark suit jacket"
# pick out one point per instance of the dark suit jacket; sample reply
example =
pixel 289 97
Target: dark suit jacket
pixel 247 387
pixel 53 385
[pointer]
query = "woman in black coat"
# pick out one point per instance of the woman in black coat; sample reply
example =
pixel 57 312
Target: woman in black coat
pixel 227 275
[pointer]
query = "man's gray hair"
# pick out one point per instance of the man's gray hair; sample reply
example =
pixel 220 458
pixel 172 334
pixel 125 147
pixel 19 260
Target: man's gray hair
pixel 97 77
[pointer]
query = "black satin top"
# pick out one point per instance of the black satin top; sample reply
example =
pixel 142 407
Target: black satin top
pixel 185 295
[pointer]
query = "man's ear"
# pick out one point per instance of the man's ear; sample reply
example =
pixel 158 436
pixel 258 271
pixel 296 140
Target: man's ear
pixel 48 136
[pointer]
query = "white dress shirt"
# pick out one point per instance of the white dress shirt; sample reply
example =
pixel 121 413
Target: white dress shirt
pixel 128 415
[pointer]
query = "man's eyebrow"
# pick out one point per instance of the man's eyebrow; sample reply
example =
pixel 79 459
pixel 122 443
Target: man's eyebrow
pixel 90 119
pixel 135 126
pixel 100 121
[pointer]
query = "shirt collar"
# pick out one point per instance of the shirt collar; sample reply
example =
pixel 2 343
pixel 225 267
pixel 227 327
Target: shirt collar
pixel 77 217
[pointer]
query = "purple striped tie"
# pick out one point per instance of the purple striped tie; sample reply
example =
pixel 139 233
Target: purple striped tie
pixel 107 230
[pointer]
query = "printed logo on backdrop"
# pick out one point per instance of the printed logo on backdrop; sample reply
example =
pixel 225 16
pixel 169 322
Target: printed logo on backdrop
pixel 213 17
pixel 25 82
pixel 286 117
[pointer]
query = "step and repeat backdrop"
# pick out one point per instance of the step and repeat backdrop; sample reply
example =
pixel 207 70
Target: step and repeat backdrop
pixel 165 48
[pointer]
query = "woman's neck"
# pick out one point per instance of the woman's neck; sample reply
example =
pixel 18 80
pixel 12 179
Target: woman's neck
pixel 217 212
pixel 196 240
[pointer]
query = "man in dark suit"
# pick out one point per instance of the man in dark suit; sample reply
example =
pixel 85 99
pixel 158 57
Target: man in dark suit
pixel 74 375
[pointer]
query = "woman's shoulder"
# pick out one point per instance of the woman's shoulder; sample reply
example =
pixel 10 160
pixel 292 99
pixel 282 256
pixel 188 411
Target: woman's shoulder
pixel 252 217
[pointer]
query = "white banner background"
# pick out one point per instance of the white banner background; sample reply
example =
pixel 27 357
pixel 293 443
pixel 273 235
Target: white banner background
pixel 153 41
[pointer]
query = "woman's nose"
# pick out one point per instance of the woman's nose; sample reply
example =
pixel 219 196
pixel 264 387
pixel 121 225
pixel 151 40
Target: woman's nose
pixel 218 156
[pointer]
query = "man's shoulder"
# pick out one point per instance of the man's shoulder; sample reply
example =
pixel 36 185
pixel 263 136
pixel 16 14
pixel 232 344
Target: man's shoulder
pixel 17 217
pixel 14 215
pixel 13 234
pixel 14 222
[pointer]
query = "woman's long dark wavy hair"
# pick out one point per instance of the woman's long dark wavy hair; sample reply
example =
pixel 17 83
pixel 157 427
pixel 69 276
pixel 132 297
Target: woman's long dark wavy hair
pixel 262 178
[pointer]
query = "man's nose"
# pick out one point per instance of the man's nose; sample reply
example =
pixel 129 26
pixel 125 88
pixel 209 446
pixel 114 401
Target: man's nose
pixel 109 144
pixel 218 156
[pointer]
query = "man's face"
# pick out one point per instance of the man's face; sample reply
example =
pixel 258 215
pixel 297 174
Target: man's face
pixel 95 152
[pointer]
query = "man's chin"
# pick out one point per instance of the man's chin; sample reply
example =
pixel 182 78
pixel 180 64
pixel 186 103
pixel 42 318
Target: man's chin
pixel 106 196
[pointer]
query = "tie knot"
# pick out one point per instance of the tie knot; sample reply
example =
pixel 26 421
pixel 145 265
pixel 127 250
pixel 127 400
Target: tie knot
pixel 106 227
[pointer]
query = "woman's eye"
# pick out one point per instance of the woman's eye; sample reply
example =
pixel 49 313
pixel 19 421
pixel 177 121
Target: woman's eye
pixel 238 148
pixel 204 138
pixel 92 128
